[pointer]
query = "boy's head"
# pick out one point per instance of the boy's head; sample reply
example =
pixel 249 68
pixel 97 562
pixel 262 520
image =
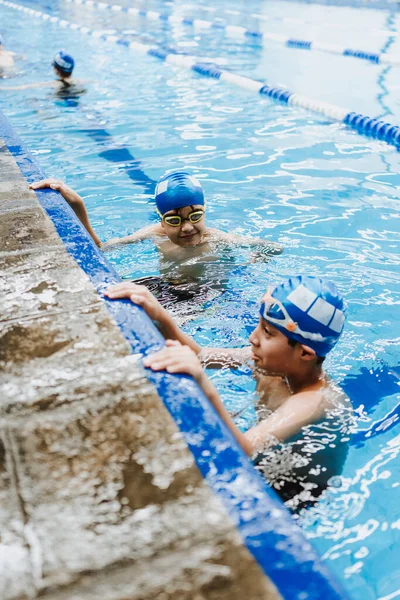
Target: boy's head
pixel 181 206
pixel 63 64
pixel 309 312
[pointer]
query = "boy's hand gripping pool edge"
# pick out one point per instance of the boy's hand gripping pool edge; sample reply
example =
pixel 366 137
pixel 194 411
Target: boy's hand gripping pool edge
pixel 176 358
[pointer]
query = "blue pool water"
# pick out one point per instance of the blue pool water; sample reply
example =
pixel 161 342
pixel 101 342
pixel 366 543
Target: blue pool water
pixel 330 196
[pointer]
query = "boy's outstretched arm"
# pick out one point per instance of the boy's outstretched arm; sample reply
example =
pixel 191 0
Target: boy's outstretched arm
pixel 141 234
pixel 78 206
pixel 271 248
pixel 286 421
pixel 27 86
pixel 73 199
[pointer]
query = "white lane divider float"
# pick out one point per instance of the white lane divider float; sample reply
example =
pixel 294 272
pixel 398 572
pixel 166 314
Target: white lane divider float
pixel 236 32
pixel 363 124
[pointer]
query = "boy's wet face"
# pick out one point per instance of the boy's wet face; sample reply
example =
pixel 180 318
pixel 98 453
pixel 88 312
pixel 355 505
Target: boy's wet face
pixel 271 350
pixel 187 234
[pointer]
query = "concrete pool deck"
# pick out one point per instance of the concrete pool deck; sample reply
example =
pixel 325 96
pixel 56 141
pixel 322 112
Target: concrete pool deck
pixel 100 496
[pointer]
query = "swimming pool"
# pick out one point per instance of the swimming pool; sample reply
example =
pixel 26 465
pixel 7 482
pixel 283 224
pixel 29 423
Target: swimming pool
pixel 269 170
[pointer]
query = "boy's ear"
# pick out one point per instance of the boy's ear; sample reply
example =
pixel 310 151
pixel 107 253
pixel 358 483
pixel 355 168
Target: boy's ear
pixel 307 353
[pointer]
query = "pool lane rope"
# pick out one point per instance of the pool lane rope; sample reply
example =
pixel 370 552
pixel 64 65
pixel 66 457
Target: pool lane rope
pixel 291 20
pixel 243 33
pixel 362 124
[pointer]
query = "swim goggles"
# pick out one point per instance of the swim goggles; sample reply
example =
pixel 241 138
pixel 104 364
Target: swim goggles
pixel 177 220
pixel 287 322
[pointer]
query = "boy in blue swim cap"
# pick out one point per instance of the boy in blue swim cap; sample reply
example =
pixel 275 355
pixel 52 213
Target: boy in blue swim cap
pixel 300 321
pixel 181 206
pixel 63 65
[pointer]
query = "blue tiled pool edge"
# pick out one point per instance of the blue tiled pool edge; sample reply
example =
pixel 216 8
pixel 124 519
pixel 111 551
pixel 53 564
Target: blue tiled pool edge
pixel 265 526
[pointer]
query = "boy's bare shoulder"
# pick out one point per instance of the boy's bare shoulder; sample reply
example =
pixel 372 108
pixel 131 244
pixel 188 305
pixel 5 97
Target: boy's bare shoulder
pixel 142 234
pixel 328 399
pixel 156 229
pixel 334 397
pixel 216 235
pixel 236 239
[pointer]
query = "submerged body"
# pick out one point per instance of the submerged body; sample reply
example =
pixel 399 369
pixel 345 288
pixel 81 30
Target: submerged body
pixel 301 438
pixel 300 468
pixel 190 277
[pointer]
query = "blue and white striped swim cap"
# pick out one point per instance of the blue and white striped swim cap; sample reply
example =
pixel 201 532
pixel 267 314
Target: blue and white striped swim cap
pixel 64 62
pixel 176 190
pixel 309 310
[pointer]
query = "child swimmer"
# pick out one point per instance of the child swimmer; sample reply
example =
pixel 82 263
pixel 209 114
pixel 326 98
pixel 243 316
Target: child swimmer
pixel 181 207
pixel 195 260
pixel 301 441
pixel 63 65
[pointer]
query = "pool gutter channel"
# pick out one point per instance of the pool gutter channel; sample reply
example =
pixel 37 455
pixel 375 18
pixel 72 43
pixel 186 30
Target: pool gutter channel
pixel 266 528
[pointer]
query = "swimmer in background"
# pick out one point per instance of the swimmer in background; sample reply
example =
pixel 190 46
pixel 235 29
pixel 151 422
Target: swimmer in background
pixel 7 62
pixel 63 65
pixel 190 251
pixel 301 439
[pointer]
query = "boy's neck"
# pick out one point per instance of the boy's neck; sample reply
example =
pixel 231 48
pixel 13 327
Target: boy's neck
pixel 310 379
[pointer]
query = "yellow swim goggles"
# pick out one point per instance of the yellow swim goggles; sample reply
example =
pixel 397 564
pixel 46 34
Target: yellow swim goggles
pixel 177 220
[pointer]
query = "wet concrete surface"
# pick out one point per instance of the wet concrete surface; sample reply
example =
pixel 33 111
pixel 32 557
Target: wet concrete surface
pixel 100 497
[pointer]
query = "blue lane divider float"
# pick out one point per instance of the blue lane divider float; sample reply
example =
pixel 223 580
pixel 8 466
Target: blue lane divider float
pixel 266 527
pixel 362 124
pixel 236 31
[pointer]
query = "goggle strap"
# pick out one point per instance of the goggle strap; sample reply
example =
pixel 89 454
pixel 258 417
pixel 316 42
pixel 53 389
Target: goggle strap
pixel 288 322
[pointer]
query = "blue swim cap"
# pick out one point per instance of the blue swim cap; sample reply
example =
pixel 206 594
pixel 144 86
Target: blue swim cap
pixel 64 62
pixel 176 190
pixel 309 310
pixel 1 40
